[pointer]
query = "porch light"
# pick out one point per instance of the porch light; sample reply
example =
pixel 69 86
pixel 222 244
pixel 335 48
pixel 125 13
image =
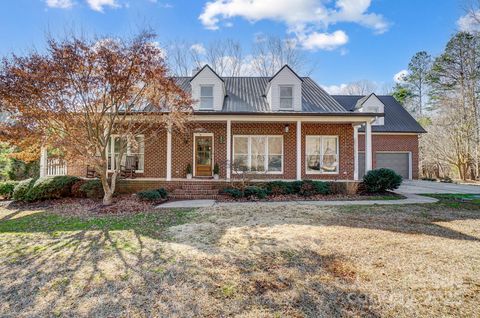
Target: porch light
pixel 287 128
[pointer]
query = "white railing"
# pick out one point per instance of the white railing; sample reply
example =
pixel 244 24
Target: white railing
pixel 56 167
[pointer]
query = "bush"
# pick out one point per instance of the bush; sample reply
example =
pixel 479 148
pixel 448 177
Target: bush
pixel 92 189
pixel 163 193
pixel 22 188
pixel 152 195
pixel 50 188
pixel 6 189
pixel 234 193
pixel 76 192
pixel 309 187
pixel 253 191
pixel 279 187
pixel 381 180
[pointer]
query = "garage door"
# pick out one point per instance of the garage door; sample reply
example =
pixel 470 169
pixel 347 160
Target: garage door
pixel 397 161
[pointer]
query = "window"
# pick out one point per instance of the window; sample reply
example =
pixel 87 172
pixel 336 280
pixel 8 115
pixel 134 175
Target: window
pixel 206 97
pixel 286 97
pixel 321 154
pixel 258 153
pixel 133 156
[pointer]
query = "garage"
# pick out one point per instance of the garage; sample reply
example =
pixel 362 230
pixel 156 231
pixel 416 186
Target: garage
pixel 397 161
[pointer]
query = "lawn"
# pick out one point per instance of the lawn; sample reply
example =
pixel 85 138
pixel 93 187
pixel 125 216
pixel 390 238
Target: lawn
pixel 304 261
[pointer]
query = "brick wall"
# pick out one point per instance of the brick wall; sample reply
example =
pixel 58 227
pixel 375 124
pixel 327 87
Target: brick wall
pixel 393 143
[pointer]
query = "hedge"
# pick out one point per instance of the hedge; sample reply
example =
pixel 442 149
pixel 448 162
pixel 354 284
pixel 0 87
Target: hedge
pixel 50 188
pixel 22 188
pixel 303 188
pixel 6 189
pixel 152 195
pixel 91 189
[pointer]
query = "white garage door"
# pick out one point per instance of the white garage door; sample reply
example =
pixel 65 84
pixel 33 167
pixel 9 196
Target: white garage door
pixel 397 161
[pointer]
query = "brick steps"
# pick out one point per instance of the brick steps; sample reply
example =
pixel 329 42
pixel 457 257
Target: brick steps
pixel 195 192
pixel 193 197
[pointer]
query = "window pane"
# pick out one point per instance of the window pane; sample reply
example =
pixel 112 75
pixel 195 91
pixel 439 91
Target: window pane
pixel 274 145
pixel 206 103
pixel 258 153
pixel 240 145
pixel 274 163
pixel 286 91
pixel 240 163
pixel 206 91
pixel 330 158
pixel 286 103
pixel 313 145
pixel 137 146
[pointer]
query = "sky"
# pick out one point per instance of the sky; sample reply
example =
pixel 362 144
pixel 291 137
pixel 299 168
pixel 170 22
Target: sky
pixel 346 40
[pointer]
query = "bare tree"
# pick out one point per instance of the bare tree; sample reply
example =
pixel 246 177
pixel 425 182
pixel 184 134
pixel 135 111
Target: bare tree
pixel 362 87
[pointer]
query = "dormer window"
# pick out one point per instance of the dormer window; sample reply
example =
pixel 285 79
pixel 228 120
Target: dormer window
pixel 286 97
pixel 206 97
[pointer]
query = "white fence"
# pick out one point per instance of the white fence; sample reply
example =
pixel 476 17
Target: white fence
pixel 56 167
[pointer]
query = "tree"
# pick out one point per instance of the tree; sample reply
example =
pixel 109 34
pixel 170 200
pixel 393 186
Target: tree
pixel 81 93
pixel 402 94
pixel 362 87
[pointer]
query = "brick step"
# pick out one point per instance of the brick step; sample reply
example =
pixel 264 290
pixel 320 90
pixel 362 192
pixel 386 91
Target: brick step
pixel 195 191
pixel 193 197
pixel 197 187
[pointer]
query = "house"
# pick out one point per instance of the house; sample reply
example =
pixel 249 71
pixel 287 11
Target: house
pixel 283 127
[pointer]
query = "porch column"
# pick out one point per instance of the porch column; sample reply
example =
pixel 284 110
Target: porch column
pixel 229 148
pixel 355 152
pixel 368 146
pixel 299 150
pixel 43 161
pixel 169 153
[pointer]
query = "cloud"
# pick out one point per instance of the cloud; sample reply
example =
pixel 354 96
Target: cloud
pixel 469 22
pixel 323 41
pixel 309 20
pixel 399 77
pixel 335 89
pixel 198 48
pixel 60 4
pixel 98 5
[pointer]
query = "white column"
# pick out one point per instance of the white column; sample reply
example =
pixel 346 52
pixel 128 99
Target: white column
pixel 169 153
pixel 368 146
pixel 43 161
pixel 299 150
pixel 355 152
pixel 229 148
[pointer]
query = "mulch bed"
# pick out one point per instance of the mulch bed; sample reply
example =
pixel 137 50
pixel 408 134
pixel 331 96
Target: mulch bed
pixel 319 197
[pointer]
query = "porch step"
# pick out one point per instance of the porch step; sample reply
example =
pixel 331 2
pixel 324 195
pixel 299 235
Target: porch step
pixel 195 191
pixel 193 196
pixel 190 186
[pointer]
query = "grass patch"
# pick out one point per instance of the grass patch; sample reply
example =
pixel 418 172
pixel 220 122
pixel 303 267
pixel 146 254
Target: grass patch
pixel 457 201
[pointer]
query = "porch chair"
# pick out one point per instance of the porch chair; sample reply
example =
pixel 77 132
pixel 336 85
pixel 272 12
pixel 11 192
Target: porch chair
pixel 128 170
pixel 91 173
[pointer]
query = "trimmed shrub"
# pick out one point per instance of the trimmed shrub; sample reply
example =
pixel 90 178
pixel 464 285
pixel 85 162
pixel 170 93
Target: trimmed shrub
pixel 6 189
pixel 381 180
pixel 279 187
pixel 234 193
pixel 152 195
pixel 76 192
pixel 253 191
pixel 309 187
pixel 50 188
pixel 163 193
pixel 22 188
pixel 92 189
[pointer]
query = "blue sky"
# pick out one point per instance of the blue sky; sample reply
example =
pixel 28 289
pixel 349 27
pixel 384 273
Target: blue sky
pixel 349 40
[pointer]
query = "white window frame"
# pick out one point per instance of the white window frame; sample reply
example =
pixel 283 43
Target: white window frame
pixel 129 147
pixel 249 153
pixel 321 154
pixel 211 97
pixel 280 96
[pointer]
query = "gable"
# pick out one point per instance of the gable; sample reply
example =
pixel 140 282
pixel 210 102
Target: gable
pixel 372 104
pixel 286 77
pixel 207 77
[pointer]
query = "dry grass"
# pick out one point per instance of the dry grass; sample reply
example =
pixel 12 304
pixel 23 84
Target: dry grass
pixel 305 261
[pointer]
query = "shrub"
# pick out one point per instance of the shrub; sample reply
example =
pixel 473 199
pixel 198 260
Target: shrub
pixel 6 189
pixel 279 187
pixel 163 193
pixel 188 170
pixel 234 193
pixel 22 188
pixel 381 180
pixel 92 189
pixel 216 169
pixel 253 191
pixel 152 195
pixel 50 188
pixel 76 191
pixel 309 187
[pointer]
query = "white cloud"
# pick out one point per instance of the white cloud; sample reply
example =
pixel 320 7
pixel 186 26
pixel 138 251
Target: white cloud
pixel 60 4
pixel 323 41
pixel 98 5
pixel 308 19
pixel 399 77
pixel 335 89
pixel 469 22
pixel 198 48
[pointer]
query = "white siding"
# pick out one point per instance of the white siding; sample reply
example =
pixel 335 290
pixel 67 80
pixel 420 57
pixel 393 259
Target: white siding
pixel 207 77
pixel 374 105
pixel 285 77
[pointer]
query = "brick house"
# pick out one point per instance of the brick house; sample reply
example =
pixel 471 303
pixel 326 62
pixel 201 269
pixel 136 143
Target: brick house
pixel 284 127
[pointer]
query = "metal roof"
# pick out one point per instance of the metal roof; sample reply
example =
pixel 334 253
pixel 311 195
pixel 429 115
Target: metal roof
pixel 247 94
pixel 397 118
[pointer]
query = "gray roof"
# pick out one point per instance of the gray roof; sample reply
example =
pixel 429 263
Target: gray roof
pixel 397 119
pixel 247 94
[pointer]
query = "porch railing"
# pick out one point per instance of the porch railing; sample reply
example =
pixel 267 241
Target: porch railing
pixel 56 167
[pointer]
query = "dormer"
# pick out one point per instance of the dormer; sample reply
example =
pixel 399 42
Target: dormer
pixel 208 90
pixel 284 90
pixel 371 104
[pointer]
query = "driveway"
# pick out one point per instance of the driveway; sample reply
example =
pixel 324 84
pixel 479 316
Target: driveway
pixel 420 186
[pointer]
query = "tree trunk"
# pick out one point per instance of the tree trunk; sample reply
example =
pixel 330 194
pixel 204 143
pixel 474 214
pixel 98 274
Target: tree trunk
pixel 107 198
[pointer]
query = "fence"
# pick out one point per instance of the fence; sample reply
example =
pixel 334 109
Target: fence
pixel 56 167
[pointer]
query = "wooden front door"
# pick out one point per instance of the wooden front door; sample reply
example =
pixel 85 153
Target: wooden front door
pixel 203 156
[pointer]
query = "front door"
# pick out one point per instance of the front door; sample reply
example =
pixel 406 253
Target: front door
pixel 203 156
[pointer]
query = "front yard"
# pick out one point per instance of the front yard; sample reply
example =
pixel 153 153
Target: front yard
pixel 274 261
